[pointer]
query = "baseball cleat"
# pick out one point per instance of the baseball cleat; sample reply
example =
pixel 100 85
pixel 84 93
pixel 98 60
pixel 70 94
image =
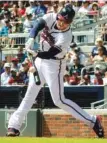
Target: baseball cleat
pixel 12 132
pixel 98 129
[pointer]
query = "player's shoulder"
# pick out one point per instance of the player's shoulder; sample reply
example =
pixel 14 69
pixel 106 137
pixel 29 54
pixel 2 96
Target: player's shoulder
pixel 68 33
pixel 68 36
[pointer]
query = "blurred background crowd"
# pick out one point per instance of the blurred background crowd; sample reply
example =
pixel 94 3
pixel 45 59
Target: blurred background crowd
pixel 82 68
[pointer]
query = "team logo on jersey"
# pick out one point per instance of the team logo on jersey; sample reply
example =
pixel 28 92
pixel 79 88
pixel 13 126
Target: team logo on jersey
pixel 46 35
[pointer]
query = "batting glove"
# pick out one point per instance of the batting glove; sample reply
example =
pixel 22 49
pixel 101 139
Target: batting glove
pixel 29 46
pixel 32 53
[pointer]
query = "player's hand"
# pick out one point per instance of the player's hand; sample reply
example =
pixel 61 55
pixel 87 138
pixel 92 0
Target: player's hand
pixel 32 53
pixel 29 44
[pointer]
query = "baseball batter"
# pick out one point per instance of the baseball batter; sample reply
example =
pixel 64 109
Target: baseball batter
pixel 56 36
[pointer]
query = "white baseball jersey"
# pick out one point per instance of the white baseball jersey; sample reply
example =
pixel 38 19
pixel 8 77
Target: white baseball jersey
pixel 62 39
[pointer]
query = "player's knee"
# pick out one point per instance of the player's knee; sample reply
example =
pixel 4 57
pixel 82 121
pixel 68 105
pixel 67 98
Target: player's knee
pixel 58 103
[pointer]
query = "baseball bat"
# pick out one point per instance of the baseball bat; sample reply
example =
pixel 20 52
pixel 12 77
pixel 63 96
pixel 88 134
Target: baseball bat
pixel 36 74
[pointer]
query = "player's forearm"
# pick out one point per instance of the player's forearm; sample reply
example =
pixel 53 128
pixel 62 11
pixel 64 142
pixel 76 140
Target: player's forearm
pixel 53 51
pixel 39 25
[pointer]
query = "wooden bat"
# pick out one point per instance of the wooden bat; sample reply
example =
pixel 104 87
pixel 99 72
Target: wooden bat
pixel 36 74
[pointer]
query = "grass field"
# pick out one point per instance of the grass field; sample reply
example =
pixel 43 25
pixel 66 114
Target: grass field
pixel 50 140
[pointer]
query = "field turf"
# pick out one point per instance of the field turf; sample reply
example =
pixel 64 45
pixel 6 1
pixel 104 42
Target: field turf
pixel 50 140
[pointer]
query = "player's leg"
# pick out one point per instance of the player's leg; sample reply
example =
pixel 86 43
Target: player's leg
pixel 55 82
pixel 17 117
pixel 57 93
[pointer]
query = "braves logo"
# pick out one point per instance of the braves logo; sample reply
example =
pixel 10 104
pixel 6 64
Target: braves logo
pixel 47 36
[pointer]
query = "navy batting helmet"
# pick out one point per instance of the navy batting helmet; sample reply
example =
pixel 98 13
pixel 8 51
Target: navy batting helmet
pixel 67 14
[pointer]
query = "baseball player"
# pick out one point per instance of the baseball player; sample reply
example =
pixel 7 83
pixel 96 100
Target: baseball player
pixel 50 62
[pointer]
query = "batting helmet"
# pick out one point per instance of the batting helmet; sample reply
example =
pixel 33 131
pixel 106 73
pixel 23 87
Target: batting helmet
pixel 67 14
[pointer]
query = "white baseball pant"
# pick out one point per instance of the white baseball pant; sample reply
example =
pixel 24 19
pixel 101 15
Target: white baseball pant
pixel 52 72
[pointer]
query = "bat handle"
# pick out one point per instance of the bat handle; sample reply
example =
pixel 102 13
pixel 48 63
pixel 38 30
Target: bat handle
pixel 37 78
pixel 36 75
